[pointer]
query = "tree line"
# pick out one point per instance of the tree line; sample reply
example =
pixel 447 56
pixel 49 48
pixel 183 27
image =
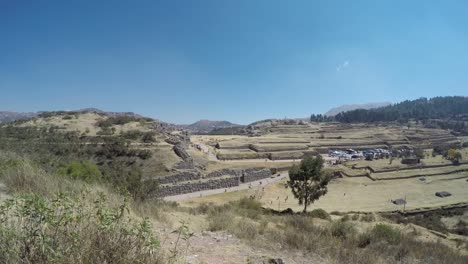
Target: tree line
pixel 448 112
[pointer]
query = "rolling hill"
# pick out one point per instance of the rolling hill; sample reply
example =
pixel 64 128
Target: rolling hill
pixel 206 126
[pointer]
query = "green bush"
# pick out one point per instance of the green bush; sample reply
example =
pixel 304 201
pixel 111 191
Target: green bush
pixel 342 229
pixel 319 213
pixel 131 134
pixel 148 137
pixel 386 233
pixel 368 217
pixel 70 230
pixel 84 171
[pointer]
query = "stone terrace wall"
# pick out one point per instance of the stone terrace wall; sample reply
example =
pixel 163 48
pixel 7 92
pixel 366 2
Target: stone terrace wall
pixel 250 175
pixel 179 177
pixel 188 182
pixel 184 165
pixel 224 172
pixel 169 190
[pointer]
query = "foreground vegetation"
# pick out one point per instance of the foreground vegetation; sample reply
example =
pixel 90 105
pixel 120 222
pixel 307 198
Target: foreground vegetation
pixel 313 233
pixel 57 219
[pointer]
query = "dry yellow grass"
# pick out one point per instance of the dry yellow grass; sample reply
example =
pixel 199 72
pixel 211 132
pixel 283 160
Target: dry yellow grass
pixel 358 194
pixel 84 122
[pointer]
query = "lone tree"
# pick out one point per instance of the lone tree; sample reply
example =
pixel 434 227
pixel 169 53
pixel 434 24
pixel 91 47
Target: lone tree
pixel 454 156
pixel 308 181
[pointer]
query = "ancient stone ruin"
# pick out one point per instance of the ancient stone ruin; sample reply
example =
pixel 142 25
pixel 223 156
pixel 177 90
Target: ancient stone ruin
pixel 189 182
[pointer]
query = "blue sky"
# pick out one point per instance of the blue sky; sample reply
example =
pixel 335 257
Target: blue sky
pixel 241 61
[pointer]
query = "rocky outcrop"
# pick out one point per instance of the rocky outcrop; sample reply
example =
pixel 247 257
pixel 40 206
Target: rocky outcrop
pixel 180 150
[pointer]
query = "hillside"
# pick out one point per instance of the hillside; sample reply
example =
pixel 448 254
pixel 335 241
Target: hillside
pixel 7 116
pixel 206 126
pixel 344 108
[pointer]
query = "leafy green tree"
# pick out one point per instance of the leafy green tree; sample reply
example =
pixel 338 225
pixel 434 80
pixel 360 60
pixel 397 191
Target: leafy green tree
pixel 85 171
pixel 308 181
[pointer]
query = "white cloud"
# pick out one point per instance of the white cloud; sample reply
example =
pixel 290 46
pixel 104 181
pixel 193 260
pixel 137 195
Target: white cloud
pixel 342 65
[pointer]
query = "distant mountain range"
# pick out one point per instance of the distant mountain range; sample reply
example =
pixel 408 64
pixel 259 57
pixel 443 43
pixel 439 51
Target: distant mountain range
pixel 336 110
pixel 206 126
pixel 6 116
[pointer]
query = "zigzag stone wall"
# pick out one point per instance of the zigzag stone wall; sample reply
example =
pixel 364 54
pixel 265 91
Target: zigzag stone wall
pixel 250 175
pixel 179 177
pixel 224 172
pixel 189 182
pixel 169 190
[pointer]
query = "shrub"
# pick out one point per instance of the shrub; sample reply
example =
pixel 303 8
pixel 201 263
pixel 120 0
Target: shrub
pixel 247 207
pixel 461 228
pixel 430 221
pixel 368 218
pixel 345 218
pixel 219 221
pixel 26 178
pixel 148 137
pixel 319 213
pixel 342 229
pixel 67 230
pixel 131 134
pixel 386 233
pixel 245 228
pixel 144 154
pixel 84 171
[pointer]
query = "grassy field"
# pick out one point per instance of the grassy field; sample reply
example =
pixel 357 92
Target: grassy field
pixel 358 194
pixel 420 172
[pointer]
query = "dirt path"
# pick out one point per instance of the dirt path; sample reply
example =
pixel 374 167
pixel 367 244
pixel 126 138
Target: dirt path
pixel 242 186
pixel 223 248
